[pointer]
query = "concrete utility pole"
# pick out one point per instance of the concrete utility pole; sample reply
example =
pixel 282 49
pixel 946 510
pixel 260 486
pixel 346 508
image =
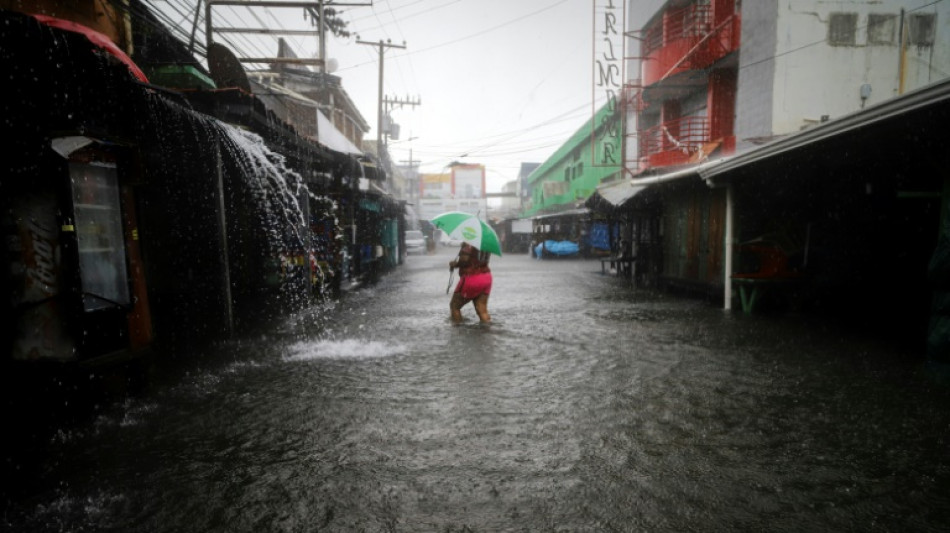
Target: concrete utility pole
pixel 379 104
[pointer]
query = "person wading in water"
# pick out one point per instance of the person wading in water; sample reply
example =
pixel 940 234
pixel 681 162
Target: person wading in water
pixel 474 283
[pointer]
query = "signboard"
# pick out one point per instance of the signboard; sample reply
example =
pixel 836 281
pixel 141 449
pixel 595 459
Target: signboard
pixel 608 78
pixel 522 225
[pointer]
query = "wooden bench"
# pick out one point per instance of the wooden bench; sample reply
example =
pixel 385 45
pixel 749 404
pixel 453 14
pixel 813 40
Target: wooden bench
pixel 623 265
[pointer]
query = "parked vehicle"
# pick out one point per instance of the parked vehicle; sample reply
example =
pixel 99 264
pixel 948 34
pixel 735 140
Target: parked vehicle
pixel 416 242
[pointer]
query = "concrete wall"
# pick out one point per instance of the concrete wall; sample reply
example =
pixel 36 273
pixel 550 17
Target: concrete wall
pixel 813 77
pixel 756 72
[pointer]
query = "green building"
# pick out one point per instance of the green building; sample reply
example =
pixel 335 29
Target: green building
pixel 567 178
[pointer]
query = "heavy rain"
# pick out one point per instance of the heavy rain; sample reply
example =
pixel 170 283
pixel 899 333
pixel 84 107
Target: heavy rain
pixel 714 305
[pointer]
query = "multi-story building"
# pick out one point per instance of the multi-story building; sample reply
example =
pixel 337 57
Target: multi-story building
pixel 524 188
pixel 684 79
pixel 565 180
pixel 461 189
pixel 801 63
pixel 708 79
pixel 806 62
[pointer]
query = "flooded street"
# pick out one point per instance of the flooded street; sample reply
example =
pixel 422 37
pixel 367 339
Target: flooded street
pixel 586 406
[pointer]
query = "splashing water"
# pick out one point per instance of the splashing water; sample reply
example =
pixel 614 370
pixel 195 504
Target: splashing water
pixel 344 349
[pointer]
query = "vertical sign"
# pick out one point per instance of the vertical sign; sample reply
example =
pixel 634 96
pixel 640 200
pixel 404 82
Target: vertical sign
pixel 608 72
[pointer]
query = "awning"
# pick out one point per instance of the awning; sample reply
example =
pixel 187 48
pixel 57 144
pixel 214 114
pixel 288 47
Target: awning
pixel 617 194
pixel 917 112
pixel 571 212
pixel 371 169
pixel 332 138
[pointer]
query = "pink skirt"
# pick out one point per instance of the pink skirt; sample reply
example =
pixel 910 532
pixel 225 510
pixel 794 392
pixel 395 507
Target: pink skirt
pixel 474 285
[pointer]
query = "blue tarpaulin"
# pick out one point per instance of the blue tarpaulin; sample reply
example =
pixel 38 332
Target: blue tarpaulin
pixel 557 248
pixel 599 236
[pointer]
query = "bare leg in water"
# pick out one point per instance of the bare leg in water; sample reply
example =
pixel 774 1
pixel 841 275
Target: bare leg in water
pixel 481 307
pixel 455 307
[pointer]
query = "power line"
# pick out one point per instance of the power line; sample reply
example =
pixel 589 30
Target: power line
pixel 477 34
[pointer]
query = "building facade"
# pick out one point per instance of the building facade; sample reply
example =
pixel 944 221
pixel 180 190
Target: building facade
pixel 461 189
pixel 567 178
pixel 711 79
pixel 807 62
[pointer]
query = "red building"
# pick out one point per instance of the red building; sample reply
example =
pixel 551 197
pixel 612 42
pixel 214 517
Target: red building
pixel 685 98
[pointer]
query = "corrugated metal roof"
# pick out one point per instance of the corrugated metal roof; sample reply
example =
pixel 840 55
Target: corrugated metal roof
pixel 618 193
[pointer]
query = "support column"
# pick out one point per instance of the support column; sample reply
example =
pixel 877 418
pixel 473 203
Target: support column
pixel 727 260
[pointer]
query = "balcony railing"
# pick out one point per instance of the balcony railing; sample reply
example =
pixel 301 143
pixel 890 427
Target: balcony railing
pixel 683 136
pixel 687 38
pixel 689 22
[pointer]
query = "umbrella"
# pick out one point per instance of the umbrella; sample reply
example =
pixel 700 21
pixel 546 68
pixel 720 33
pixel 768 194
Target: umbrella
pixel 467 227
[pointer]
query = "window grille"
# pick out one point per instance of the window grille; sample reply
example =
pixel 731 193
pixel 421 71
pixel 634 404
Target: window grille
pixel 842 28
pixel 881 28
pixel 921 29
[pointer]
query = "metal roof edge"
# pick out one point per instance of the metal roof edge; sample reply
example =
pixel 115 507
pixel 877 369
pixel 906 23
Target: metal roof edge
pixel 919 98
pixel 567 212
pixel 695 170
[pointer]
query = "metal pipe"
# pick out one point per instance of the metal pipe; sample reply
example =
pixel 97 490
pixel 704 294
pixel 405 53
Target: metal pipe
pixel 379 107
pixel 730 238
pixel 902 58
pixel 323 36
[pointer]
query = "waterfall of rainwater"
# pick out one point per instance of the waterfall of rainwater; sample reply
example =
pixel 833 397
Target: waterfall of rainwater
pixel 274 198
pixel 276 187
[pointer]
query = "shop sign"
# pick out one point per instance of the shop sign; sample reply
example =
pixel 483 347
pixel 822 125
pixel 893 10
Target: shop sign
pixel 608 75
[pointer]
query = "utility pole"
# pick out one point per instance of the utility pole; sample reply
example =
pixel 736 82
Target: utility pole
pixel 389 103
pixel 415 188
pixel 379 103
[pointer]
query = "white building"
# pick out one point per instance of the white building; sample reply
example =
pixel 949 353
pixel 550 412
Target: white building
pixel 792 64
pixel 802 62
pixel 461 190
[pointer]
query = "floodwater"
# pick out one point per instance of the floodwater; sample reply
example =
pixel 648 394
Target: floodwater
pixel 586 406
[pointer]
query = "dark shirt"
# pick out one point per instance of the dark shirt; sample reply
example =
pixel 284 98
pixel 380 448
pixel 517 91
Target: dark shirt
pixel 471 261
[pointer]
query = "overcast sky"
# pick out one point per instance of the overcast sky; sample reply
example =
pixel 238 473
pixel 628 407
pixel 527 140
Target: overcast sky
pixel 500 82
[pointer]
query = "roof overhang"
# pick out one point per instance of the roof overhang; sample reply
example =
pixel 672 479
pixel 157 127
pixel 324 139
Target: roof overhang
pixel 568 213
pixel 872 132
pixel 617 194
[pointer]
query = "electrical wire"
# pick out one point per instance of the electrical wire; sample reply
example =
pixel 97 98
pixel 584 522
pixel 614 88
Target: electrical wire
pixel 472 36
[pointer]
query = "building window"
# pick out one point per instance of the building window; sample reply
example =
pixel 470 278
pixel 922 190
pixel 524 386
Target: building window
pixel 579 170
pixel 567 174
pixel 842 28
pixel 921 29
pixel 881 28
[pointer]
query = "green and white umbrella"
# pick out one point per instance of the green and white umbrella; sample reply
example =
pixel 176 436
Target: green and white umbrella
pixel 467 227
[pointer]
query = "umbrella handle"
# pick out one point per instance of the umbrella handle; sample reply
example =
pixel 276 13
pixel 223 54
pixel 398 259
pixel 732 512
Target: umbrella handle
pixel 451 276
